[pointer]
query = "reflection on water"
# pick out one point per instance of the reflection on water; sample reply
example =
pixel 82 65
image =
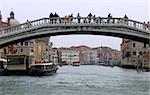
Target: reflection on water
pixel 82 80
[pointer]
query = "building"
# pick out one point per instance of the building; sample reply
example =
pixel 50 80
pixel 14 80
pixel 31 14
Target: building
pixel 38 48
pixel 55 56
pixel 26 47
pixel 134 53
pixel 106 54
pixel 11 21
pixel 41 49
pixel 87 55
pixel 69 55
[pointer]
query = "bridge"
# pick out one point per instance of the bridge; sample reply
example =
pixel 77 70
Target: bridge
pixel 117 27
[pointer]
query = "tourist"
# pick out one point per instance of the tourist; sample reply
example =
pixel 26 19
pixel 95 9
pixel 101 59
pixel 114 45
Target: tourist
pixel 89 17
pixel 71 17
pixel 28 24
pixel 125 19
pixel 148 25
pixel 65 19
pixel 109 18
pixel 55 17
pixel 94 18
pixel 78 17
pixel 51 16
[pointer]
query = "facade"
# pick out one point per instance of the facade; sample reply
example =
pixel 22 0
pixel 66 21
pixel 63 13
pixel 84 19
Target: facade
pixel 26 47
pixel 38 48
pixel 87 55
pixel 69 55
pixel 54 55
pixel 134 53
pixel 107 55
pixel 41 49
pixel 11 21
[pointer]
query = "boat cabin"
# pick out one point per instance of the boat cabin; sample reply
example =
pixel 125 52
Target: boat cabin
pixel 18 62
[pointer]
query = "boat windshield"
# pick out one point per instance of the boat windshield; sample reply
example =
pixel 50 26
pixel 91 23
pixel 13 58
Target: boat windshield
pixel 49 66
pixel 38 67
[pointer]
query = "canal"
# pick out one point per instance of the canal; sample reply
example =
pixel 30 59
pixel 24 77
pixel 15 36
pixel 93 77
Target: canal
pixel 82 80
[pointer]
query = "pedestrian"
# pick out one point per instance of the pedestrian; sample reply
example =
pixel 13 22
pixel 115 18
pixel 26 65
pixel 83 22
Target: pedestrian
pixel 148 25
pixel 89 17
pixel 125 19
pixel 65 19
pixel 109 18
pixel 71 17
pixel 51 16
pixel 28 24
pixel 78 17
pixel 94 18
pixel 55 17
pixel 145 26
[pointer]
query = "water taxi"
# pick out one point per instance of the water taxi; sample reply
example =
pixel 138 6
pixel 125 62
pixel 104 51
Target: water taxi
pixel 42 69
pixel 76 64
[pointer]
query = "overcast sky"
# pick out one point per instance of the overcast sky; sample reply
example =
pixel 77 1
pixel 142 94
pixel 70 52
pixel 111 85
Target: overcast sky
pixel 35 9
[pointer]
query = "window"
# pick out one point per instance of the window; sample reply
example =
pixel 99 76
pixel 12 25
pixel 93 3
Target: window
pixel 32 50
pixel 144 45
pixel 21 43
pixel 16 50
pixel 21 50
pixel 26 43
pixel 133 44
pixel 140 53
pixel 128 54
pixel 134 53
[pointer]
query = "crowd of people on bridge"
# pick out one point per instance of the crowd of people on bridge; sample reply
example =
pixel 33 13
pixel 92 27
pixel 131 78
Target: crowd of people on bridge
pixel 91 19
pixel 55 19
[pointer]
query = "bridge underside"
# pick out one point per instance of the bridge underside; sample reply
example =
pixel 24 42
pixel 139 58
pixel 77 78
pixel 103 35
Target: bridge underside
pixel 115 31
pixel 134 38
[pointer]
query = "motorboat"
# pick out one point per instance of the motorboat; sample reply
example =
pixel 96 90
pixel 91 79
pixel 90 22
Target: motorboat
pixel 76 64
pixel 43 69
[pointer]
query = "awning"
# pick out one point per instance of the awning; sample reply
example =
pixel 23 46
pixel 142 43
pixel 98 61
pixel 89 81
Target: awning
pixel 4 60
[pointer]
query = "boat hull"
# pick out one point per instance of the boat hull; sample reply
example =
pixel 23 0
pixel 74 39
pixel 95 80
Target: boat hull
pixel 42 72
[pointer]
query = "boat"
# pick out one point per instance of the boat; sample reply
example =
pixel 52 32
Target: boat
pixel 42 69
pixel 75 64
pixel 3 66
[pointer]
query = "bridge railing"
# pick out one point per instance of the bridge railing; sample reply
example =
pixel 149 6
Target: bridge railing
pixel 72 21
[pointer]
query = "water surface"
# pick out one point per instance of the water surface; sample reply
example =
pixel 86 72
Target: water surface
pixel 82 80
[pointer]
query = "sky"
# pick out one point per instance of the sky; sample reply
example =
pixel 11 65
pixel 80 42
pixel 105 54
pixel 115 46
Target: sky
pixel 34 9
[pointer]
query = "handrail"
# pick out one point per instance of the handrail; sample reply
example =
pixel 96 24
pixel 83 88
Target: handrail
pixel 73 20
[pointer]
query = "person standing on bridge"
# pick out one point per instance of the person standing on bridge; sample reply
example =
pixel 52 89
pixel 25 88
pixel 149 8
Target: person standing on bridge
pixel 125 19
pixel 148 25
pixel 78 17
pixel 28 24
pixel 65 19
pixel 56 17
pixel 109 18
pixel 89 17
pixel 94 18
pixel 70 18
pixel 51 16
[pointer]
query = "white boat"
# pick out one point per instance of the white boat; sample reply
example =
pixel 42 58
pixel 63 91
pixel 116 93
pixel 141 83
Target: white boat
pixel 42 69
pixel 76 64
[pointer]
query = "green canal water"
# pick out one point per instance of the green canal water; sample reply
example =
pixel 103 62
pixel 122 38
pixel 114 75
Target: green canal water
pixel 82 80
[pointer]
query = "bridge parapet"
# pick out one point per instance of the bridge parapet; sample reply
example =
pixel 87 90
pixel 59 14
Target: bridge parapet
pixel 72 21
